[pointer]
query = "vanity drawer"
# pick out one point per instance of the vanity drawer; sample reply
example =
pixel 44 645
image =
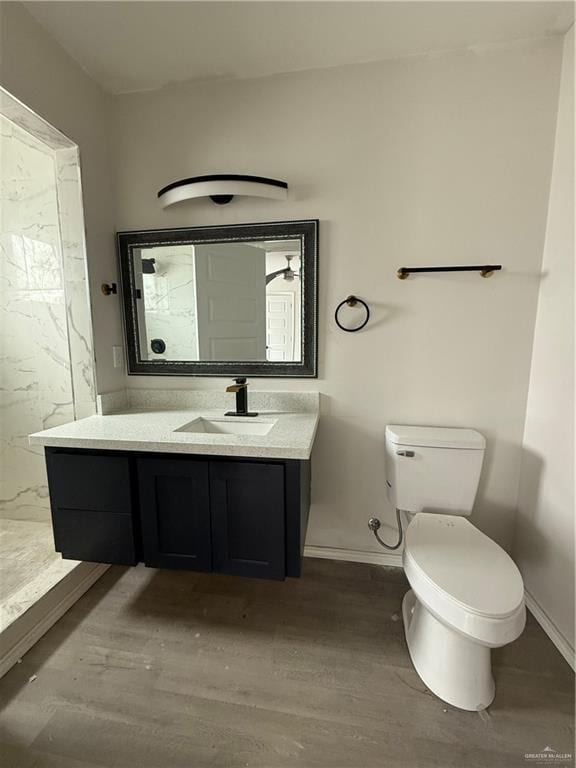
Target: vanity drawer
pixel 84 481
pixel 91 501
pixel 96 536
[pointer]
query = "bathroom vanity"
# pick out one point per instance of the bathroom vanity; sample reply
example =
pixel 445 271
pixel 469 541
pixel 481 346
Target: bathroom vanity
pixel 178 479
pixel 188 489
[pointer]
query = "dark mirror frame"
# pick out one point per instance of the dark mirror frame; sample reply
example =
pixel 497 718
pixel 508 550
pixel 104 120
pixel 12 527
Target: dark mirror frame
pixel 306 231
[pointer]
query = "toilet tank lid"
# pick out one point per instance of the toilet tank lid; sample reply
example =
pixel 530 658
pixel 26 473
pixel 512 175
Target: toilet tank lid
pixel 435 437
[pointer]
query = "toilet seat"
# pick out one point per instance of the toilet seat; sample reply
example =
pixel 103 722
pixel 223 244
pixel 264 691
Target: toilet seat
pixel 464 578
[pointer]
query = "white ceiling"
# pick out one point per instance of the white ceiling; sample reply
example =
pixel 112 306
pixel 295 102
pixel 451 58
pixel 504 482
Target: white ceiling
pixel 137 46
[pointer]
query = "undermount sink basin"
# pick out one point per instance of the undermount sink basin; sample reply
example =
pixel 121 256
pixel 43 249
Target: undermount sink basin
pixel 233 426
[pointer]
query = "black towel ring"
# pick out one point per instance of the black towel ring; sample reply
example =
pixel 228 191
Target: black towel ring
pixel 351 301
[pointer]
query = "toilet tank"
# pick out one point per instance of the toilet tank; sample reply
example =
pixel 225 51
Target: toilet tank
pixel 433 469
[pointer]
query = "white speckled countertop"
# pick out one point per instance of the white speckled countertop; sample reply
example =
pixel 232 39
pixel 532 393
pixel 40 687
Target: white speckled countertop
pixel 148 427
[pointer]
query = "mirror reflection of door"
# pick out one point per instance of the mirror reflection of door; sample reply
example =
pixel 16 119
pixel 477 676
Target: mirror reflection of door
pixel 231 301
pixel 283 301
pixel 280 326
pixel 224 301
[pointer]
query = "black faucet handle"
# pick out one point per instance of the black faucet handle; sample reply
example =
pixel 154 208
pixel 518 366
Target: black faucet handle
pixel 240 388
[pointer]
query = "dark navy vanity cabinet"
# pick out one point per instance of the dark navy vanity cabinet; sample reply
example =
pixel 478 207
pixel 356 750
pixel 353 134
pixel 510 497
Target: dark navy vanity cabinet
pixel 175 513
pixel 93 510
pixel 245 517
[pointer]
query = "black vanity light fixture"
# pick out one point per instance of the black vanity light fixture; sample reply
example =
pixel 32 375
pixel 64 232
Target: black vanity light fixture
pixel 221 188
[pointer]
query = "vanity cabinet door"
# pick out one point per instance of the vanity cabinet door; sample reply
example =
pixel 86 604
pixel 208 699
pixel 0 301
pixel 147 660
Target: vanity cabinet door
pixel 175 513
pixel 91 501
pixel 248 518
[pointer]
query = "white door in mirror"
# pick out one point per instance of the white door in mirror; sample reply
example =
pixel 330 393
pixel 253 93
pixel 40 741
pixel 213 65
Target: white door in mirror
pixel 280 327
pixel 230 301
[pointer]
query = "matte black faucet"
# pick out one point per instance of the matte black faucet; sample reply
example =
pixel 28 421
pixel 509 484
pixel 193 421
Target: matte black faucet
pixel 241 390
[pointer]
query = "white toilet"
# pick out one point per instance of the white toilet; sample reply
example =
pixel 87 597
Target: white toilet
pixel 467 594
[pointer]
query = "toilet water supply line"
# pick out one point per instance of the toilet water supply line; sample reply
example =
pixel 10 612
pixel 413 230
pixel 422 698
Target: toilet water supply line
pixel 374 524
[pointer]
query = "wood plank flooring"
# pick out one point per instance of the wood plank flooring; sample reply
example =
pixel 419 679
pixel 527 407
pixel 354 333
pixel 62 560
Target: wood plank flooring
pixel 168 669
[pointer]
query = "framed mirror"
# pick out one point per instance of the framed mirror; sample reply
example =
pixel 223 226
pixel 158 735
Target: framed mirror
pixel 221 301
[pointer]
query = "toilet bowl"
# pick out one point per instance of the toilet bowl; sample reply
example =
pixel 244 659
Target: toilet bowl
pixel 466 594
pixel 466 597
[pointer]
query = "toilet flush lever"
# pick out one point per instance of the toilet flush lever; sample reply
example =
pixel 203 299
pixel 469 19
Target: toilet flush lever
pixel 408 454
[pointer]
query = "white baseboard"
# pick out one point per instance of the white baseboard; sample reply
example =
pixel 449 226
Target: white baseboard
pixel 29 628
pixel 561 642
pixel 354 555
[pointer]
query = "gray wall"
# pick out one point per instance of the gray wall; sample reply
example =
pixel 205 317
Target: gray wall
pixel 544 546
pixel 428 160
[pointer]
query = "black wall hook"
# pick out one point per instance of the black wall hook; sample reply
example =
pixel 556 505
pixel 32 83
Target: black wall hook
pixel 109 289
pixel 352 301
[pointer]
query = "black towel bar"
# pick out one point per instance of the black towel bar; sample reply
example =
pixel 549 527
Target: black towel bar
pixel 486 270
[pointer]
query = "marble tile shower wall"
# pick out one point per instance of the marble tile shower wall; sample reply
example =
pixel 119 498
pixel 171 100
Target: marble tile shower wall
pixel 169 313
pixel 35 377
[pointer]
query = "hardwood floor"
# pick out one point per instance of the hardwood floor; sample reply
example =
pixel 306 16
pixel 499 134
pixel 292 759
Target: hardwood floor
pixel 168 669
